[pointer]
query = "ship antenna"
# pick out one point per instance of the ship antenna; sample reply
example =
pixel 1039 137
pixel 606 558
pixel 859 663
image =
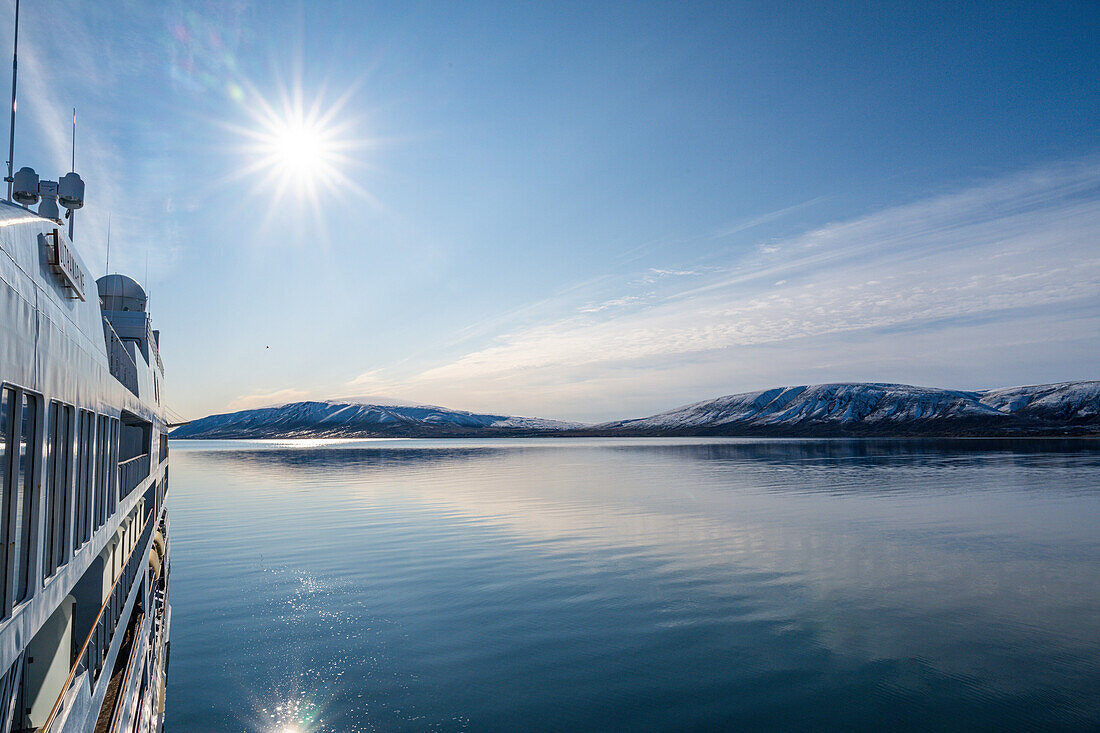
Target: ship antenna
pixel 14 69
pixel 108 268
pixel 70 212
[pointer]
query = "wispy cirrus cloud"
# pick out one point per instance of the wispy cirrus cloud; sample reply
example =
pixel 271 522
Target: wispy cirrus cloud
pixel 748 224
pixel 658 272
pixel 1007 266
pixel 68 64
pixel 620 302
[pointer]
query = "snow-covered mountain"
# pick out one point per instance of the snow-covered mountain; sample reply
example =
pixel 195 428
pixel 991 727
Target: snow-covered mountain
pixel 360 418
pixel 1069 403
pixel 880 409
pixel 855 409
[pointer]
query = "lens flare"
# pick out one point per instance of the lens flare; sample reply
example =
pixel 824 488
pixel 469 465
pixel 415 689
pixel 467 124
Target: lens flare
pixel 299 151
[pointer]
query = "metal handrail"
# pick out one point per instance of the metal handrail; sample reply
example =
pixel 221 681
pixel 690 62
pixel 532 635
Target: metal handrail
pixel 154 347
pixel 140 464
pixel 116 714
pixel 107 323
pixel 114 348
pixel 9 697
pixel 126 573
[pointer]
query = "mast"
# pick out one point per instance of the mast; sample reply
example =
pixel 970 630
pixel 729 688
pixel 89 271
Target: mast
pixel 70 212
pixel 14 69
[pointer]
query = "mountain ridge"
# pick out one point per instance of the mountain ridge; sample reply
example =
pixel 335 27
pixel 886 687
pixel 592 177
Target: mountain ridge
pixel 841 409
pixel 873 408
pixel 355 419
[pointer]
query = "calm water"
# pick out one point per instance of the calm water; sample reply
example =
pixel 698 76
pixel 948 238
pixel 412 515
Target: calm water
pixel 634 585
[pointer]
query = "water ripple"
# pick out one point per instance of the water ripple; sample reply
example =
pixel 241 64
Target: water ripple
pixel 646 584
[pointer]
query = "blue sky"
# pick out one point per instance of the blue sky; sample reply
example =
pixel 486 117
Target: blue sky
pixel 582 210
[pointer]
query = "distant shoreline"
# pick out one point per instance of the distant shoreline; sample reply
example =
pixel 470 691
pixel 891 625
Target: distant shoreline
pixel 1074 435
pixel 836 410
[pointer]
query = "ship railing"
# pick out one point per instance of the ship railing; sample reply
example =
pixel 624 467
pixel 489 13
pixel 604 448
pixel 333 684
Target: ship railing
pixel 156 493
pixel 132 472
pixel 119 712
pixel 123 366
pixel 9 694
pixel 93 652
pixel 154 347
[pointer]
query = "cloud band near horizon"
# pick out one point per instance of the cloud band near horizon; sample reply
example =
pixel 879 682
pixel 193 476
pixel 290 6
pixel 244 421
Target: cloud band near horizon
pixel 994 284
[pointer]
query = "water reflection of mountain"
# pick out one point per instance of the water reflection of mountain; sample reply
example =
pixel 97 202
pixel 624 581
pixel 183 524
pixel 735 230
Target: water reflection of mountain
pixel 868 555
pixel 372 456
pixel 883 452
pixel 366 458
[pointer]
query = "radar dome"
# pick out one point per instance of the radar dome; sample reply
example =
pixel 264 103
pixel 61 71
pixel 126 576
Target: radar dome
pixel 121 293
pixel 25 186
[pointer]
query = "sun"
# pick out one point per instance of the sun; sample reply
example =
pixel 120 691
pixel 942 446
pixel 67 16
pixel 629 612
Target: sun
pixel 299 151
pixel 295 151
pixel 297 148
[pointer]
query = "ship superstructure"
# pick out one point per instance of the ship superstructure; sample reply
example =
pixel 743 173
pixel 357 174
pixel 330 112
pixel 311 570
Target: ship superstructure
pixel 84 613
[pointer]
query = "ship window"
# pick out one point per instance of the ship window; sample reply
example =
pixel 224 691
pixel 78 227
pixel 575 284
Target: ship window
pixel 112 463
pixel 85 473
pixel 78 476
pixel 7 399
pixel 59 447
pixel 59 474
pixel 10 685
pixel 114 460
pixel 79 523
pixel 23 441
pixel 89 475
pixel 97 494
pixel 103 446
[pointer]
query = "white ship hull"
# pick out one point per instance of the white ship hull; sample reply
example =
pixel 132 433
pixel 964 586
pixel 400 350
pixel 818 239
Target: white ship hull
pixel 84 613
